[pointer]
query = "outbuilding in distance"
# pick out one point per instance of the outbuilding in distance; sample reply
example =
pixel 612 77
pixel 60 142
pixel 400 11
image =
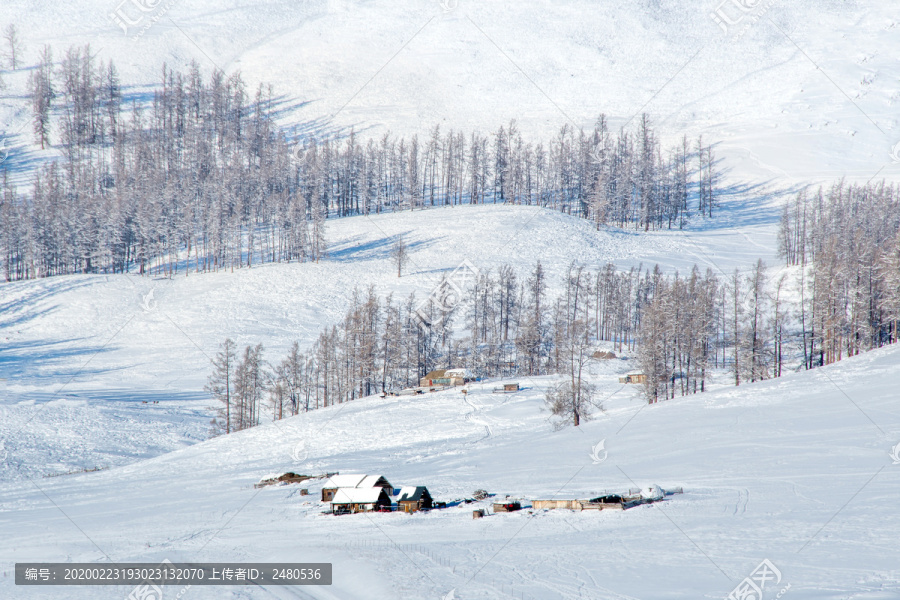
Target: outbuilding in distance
pixel 633 377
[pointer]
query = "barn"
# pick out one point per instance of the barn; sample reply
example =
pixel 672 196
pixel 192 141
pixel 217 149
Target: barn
pixel 357 480
pixel 412 498
pixel 357 500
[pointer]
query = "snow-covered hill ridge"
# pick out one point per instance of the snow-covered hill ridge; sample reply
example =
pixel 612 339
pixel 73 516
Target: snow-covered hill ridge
pixel 796 470
pixel 808 92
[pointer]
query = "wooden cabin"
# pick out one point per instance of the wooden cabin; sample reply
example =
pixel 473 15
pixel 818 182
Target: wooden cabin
pixel 357 500
pixel 335 482
pixel 412 498
pixel 633 377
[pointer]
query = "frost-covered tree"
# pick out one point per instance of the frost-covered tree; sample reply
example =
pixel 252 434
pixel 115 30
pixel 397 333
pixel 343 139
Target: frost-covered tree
pixel 250 378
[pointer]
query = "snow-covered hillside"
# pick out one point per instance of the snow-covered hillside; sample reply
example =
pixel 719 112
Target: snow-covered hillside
pixel 83 353
pixel 808 92
pixel 764 466
pixel 795 470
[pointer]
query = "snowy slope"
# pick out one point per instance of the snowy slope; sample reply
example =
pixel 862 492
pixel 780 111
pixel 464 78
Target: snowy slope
pixel 807 93
pixel 81 354
pixel 796 471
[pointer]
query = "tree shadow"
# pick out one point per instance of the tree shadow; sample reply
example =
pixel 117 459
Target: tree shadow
pixel 353 249
pixel 36 359
pixel 23 309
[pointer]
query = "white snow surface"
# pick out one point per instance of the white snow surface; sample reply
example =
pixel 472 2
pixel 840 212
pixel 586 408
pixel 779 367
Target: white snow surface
pixel 795 470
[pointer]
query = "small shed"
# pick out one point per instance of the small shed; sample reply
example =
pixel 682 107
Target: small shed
pixel 507 388
pixel 508 506
pixel 356 480
pixel 412 498
pixel 633 377
pixel 356 500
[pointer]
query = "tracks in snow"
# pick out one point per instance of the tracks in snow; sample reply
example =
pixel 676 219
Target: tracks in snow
pixel 473 417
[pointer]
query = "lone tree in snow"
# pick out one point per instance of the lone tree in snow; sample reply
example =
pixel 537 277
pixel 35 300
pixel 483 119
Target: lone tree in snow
pixel 573 401
pixel 400 254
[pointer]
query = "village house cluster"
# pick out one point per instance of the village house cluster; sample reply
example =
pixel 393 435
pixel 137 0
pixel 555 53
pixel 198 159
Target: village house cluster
pixel 362 493
pixel 366 493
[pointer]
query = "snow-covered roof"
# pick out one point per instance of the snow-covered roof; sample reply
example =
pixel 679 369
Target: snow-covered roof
pixel 357 495
pixel 456 373
pixel 372 481
pixel 410 493
pixel 344 481
pixel 356 480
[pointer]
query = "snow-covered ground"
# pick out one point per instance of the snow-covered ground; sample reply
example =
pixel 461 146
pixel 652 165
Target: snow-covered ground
pixel 796 471
pixel 764 466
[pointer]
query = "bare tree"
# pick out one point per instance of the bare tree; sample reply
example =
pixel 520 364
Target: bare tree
pixel 13 45
pixel 572 401
pixel 778 327
pixel 221 383
pixel 400 254
pixel 40 83
pixel 736 333
pixel 756 329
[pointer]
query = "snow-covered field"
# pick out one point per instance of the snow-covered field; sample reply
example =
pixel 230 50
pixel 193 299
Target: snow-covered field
pixel 764 466
pixel 107 373
pixel 791 470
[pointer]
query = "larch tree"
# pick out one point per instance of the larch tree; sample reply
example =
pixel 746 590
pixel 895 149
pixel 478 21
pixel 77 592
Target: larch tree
pixel 40 84
pixel 221 383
